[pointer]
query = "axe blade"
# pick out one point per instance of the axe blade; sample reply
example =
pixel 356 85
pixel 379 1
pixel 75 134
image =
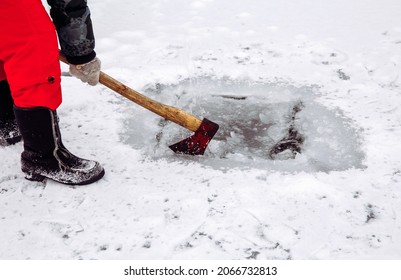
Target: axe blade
pixel 197 143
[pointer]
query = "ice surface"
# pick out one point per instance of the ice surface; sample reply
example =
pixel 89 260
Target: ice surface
pixel 253 117
pixel 225 60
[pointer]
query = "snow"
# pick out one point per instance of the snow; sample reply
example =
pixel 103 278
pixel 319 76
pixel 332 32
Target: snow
pixel 243 64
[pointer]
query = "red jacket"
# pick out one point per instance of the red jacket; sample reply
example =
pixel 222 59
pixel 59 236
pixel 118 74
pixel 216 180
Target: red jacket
pixel 29 47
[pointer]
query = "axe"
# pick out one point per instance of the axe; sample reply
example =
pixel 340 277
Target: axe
pixel 193 145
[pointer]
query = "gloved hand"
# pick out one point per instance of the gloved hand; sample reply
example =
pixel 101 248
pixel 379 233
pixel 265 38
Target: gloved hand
pixel 87 72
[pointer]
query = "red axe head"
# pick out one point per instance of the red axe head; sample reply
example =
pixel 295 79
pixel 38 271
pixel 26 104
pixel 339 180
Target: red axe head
pixel 197 143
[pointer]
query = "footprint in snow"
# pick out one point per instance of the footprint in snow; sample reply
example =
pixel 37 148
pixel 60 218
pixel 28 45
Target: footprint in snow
pixel 8 185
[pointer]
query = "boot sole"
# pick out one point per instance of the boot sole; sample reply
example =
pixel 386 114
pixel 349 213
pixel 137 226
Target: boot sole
pixel 35 177
pixel 41 178
pixel 10 141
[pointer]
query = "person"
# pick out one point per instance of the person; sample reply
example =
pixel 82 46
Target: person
pixel 30 83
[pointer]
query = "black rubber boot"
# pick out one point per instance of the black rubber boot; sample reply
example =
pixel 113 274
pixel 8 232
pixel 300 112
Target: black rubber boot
pixel 44 154
pixel 9 133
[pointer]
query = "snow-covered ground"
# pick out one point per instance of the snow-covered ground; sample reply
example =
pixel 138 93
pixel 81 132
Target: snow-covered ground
pixel 339 199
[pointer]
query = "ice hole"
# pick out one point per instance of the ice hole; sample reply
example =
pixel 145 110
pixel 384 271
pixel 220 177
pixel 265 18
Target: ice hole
pixel 253 118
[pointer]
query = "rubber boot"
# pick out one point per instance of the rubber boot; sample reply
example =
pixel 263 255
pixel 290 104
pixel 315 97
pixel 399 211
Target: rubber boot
pixel 44 154
pixel 9 133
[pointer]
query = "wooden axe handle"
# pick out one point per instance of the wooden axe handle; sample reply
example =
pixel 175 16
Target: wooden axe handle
pixel 173 114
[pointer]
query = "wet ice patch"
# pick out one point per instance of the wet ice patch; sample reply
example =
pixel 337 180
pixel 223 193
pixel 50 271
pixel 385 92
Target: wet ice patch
pixel 254 118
